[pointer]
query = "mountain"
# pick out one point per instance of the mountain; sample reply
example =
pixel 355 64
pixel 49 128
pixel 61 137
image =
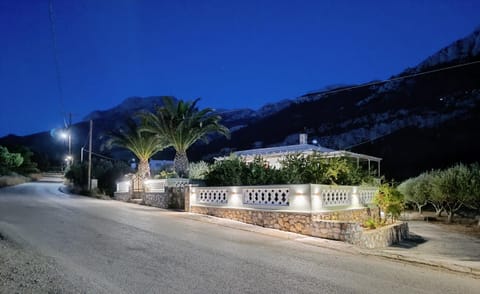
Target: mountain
pixel 424 118
pixel 427 116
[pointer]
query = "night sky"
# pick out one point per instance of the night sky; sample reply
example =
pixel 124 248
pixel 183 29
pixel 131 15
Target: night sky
pixel 233 54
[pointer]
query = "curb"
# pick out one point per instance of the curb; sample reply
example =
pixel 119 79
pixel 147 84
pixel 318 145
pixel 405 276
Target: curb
pixel 474 272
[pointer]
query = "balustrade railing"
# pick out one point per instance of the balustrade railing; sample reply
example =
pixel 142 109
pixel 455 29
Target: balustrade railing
pixel 151 185
pixel 306 198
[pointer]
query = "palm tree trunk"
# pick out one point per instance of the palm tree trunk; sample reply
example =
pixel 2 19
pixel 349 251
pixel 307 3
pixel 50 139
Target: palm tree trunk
pixel 144 169
pixel 180 164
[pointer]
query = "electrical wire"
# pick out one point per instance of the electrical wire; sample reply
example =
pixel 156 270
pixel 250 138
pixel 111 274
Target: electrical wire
pixel 390 80
pixel 393 79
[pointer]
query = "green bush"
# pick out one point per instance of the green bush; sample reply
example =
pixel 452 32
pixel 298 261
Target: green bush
pixel 316 169
pixel 198 170
pixel 106 172
pixel 226 172
pixel 9 161
pixel 296 169
pixel 258 172
pixel 390 201
pixel 371 223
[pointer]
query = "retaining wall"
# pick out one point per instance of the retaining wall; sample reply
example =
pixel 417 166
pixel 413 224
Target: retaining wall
pixel 330 225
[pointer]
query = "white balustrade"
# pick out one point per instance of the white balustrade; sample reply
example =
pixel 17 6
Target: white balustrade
pixel 337 196
pixel 272 196
pixel 213 196
pixel 299 198
pixel 366 195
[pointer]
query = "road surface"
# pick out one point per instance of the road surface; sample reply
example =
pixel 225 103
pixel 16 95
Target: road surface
pixel 114 247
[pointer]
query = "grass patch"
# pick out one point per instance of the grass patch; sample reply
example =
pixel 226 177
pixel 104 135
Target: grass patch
pixel 12 180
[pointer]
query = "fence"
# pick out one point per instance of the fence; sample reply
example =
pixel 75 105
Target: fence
pixel 152 185
pixel 294 198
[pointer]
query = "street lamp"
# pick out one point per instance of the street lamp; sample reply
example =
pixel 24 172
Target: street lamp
pixel 66 135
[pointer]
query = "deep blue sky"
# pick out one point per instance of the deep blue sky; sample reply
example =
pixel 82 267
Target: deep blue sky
pixel 231 53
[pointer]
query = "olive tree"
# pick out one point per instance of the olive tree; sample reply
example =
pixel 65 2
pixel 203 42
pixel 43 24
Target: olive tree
pixel 418 190
pixel 451 186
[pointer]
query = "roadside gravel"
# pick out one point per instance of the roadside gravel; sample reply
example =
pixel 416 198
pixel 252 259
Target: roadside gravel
pixel 25 271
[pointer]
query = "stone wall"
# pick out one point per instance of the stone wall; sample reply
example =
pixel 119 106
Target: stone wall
pixel 122 196
pixel 171 198
pixel 384 236
pixel 160 200
pixel 337 230
pixel 330 225
pixel 359 215
pixel 285 221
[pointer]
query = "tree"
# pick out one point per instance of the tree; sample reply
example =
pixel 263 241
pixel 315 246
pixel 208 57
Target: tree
pixel 389 200
pixel 451 186
pixel 9 161
pixel 474 189
pixel 143 144
pixel 28 166
pixel 182 124
pixel 417 190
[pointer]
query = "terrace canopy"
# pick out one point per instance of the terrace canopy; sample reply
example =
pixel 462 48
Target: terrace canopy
pixel 273 155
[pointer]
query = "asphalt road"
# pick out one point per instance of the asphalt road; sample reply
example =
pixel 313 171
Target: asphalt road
pixel 113 247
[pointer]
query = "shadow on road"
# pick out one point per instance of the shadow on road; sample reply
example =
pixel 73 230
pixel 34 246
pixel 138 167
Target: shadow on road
pixel 412 242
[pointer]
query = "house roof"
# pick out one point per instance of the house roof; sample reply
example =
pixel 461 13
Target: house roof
pixel 303 148
pixel 299 148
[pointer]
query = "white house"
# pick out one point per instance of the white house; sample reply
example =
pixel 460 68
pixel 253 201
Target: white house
pixel 273 155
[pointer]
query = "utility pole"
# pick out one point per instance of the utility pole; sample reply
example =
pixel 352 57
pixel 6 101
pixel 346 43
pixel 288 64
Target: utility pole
pixel 90 157
pixel 69 130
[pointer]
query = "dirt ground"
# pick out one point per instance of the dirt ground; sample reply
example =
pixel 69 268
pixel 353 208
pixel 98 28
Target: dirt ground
pixel 467 226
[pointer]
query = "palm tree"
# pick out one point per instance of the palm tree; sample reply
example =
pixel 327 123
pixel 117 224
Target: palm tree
pixel 143 144
pixel 182 124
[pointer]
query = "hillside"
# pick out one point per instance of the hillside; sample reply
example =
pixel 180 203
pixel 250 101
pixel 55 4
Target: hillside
pixel 426 117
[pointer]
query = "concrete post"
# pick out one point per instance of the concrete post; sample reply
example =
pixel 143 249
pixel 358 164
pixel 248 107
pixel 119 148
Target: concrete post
pixel 186 192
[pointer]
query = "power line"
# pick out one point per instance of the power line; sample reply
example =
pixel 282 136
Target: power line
pixel 101 156
pixel 395 79
pixel 390 80
pixel 55 55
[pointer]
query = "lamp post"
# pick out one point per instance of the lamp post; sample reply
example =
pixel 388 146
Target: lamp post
pixel 68 136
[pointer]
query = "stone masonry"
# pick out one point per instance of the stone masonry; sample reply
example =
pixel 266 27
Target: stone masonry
pixel 341 225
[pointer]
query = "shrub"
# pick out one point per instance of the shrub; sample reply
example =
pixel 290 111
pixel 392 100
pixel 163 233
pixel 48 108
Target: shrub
pixel 198 170
pixel 390 201
pixel 371 223
pixel 258 172
pixel 166 174
pixel 226 172
pixel 316 169
pixel 12 179
pixel 106 172
pixel 9 161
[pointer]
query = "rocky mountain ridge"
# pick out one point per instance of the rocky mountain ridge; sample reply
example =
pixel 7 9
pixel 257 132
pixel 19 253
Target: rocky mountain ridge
pixel 421 110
